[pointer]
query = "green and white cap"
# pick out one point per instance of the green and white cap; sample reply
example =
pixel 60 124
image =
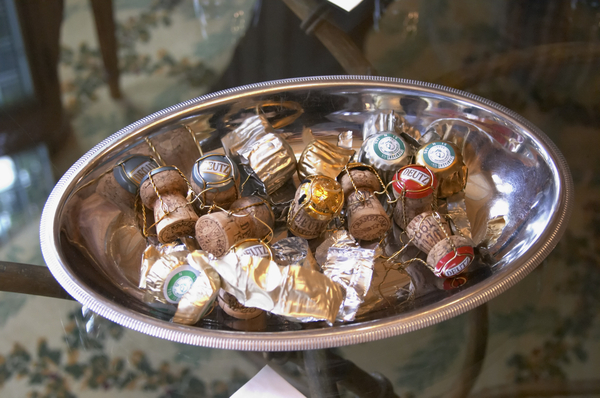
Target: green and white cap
pixel 386 152
pixel 178 282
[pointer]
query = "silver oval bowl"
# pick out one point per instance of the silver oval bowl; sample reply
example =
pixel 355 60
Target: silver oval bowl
pixel 528 182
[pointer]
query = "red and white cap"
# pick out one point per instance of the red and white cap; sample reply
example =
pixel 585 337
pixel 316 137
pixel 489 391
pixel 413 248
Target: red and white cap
pixel 416 181
pixel 454 263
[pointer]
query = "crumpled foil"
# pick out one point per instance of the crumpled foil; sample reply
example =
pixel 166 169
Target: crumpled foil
pixel 166 273
pixel 339 238
pixel 457 211
pixel 294 251
pixel 323 158
pixel 390 287
pixel 495 227
pixel 389 120
pixel 352 268
pixel 198 301
pixel 296 292
pixel 261 152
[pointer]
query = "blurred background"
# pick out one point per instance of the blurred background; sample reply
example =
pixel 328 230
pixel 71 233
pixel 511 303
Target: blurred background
pixel 74 72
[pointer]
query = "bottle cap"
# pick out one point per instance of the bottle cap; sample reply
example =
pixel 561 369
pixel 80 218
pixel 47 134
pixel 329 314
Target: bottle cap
pixel 447 262
pixel 415 181
pixel 446 161
pixel 386 152
pixel 131 171
pixel 214 171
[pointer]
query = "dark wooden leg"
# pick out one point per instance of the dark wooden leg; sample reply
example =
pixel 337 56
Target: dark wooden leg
pixel 105 27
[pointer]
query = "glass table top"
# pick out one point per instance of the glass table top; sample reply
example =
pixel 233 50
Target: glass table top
pixel 88 69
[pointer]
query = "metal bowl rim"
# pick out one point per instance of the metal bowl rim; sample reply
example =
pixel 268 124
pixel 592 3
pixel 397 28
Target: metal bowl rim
pixel 317 338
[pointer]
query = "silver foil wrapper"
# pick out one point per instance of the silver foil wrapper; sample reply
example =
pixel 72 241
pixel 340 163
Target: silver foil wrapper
pixel 390 287
pixel 457 211
pixel 199 299
pixel 295 292
pixel 294 251
pixel 352 268
pixel 389 121
pixel 262 153
pixel 167 273
pixel 339 238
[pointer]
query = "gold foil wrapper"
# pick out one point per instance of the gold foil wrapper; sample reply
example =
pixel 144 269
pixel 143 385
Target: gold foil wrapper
pixel 318 200
pixel 262 152
pixel 457 211
pixel 322 158
pixel 296 292
pixel 446 162
pixel 294 251
pixel 198 301
pixel 167 273
pixel 352 268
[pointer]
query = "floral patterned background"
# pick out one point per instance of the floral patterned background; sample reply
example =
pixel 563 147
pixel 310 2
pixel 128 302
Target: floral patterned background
pixel 544 333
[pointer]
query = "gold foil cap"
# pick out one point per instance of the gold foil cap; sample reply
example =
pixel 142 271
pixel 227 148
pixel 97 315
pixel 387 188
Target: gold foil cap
pixel 322 197
pixel 446 162
pixel 322 158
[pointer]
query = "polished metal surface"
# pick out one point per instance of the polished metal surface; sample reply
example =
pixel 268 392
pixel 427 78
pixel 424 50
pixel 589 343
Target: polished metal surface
pixel 515 172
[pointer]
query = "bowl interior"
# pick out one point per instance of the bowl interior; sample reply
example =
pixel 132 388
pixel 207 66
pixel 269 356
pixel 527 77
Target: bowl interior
pixel 516 178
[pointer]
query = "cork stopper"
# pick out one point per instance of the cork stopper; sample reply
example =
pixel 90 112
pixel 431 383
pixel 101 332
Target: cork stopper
pixel 364 179
pixel 217 232
pixel 232 307
pixel 367 219
pixel 165 193
pixel 250 205
pixel 216 178
pixel 445 262
pixel 426 231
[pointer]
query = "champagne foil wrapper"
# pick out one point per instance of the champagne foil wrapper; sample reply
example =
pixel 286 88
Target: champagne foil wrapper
pixel 295 292
pixel 389 121
pixel 390 287
pixel 322 158
pixel 339 238
pixel 169 273
pixel 199 299
pixel 262 152
pixel 318 200
pixel 352 268
pixel 294 251
pixel 457 211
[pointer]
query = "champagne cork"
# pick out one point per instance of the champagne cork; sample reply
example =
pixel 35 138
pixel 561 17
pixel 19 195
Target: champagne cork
pixel 121 184
pixel 318 200
pixel 232 307
pixel 450 256
pixel 164 190
pixel 367 219
pixel 426 231
pixel 414 187
pixel 216 178
pixel 177 147
pixel 217 232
